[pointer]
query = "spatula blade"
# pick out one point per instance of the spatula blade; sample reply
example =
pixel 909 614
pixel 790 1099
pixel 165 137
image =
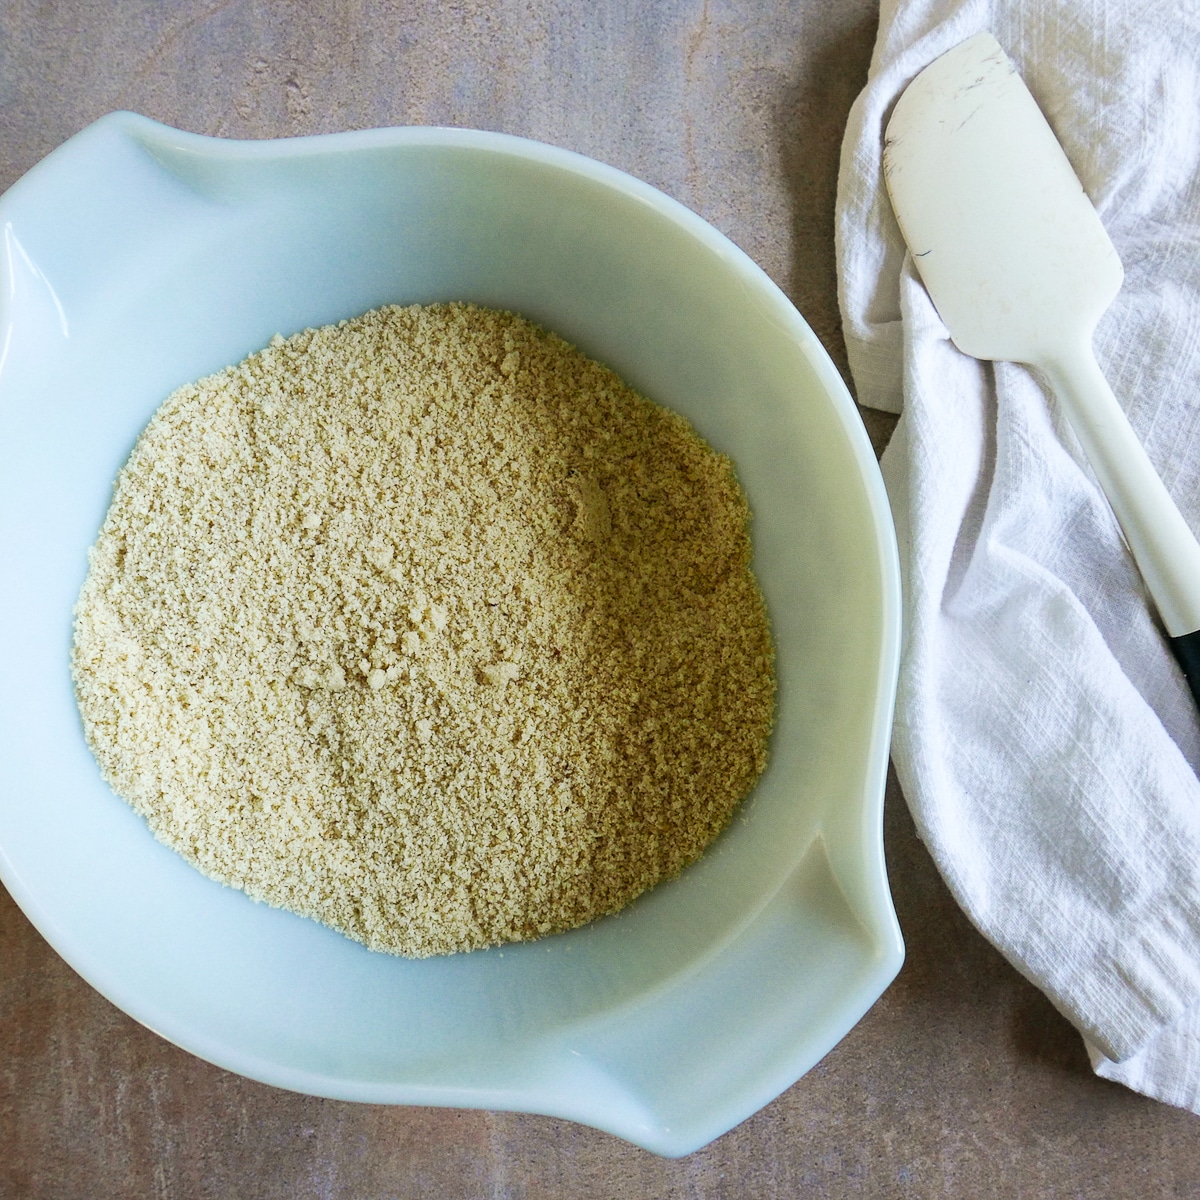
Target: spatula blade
pixel 1002 233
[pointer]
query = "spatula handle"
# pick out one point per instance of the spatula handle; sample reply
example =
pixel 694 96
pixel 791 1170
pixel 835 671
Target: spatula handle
pixel 1164 547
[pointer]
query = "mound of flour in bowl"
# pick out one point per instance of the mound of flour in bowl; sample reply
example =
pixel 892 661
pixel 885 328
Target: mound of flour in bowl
pixel 426 626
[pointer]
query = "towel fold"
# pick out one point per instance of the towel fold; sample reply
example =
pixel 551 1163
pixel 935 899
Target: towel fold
pixel 1045 739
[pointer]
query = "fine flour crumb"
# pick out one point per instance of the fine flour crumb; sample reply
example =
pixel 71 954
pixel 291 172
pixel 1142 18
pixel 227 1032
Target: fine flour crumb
pixel 428 627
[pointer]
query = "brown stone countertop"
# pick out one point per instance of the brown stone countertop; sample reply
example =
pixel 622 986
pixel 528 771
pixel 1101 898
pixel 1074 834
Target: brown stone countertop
pixel 962 1080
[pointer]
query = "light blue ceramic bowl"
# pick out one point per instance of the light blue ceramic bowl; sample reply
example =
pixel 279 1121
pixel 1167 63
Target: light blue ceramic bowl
pixel 137 258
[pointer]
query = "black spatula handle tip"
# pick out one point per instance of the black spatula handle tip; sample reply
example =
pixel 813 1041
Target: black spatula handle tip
pixel 1186 648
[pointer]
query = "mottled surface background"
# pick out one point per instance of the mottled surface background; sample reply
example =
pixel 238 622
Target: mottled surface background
pixel 962 1081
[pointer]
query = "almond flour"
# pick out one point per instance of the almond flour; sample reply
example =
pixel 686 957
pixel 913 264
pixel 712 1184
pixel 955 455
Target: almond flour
pixel 426 626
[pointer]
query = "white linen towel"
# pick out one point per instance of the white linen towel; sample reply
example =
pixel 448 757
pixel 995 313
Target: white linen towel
pixel 1045 740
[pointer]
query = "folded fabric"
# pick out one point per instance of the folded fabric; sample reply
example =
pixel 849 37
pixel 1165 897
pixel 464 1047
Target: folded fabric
pixel 1045 740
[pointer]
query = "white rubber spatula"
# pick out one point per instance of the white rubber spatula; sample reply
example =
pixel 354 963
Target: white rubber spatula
pixel 1020 269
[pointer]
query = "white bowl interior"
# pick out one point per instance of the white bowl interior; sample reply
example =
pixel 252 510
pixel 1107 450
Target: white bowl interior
pixel 138 258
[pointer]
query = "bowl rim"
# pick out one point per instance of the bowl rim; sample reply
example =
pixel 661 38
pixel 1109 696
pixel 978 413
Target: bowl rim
pixel 878 914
